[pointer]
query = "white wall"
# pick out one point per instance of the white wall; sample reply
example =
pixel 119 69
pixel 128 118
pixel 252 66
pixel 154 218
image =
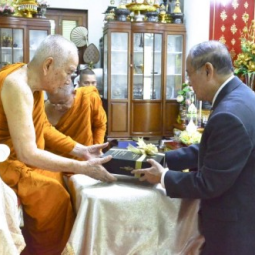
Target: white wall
pixel 196 17
pixel 95 18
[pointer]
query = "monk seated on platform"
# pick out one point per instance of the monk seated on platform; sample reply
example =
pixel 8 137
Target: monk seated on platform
pixel 32 172
pixel 77 113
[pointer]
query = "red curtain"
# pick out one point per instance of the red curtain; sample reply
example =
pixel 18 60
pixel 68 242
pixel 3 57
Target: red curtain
pixel 226 22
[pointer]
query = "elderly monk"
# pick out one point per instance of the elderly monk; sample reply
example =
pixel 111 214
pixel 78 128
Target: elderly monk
pixel 77 113
pixel 32 172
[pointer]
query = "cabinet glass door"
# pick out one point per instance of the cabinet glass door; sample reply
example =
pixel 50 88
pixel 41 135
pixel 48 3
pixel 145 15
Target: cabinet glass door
pixel 174 65
pixel 119 65
pixel 11 46
pixel 105 74
pixel 147 59
pixel 35 38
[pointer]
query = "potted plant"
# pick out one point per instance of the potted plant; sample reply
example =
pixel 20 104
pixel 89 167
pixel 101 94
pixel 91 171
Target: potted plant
pixel 245 61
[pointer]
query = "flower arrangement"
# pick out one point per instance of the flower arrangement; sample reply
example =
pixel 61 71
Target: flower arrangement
pixel 245 61
pixel 189 138
pixel 182 94
pixel 6 9
pixel 184 99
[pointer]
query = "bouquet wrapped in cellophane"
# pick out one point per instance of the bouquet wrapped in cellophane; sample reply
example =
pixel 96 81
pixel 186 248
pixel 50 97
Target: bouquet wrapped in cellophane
pixel 143 148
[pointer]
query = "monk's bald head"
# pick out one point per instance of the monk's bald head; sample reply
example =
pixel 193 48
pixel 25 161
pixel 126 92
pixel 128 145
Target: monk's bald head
pixel 56 47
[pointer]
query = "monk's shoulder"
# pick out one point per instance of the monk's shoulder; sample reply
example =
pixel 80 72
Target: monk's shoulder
pixel 16 82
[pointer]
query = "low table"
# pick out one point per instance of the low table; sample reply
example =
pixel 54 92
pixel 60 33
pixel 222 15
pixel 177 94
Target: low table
pixel 129 217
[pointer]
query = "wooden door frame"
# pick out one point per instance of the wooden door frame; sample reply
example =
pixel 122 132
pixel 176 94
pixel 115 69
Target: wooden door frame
pixel 81 16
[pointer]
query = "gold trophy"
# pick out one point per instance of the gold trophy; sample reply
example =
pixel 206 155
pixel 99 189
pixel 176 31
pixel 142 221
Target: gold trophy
pixel 139 7
pixel 27 8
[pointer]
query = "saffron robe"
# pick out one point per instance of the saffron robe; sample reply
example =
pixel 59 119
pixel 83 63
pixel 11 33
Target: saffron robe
pixel 86 120
pixel 48 213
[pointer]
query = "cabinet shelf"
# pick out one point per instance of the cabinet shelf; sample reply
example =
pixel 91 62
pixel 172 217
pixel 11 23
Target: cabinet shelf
pixel 141 52
pixel 10 48
pixel 174 52
pixel 149 75
pixel 119 51
pixel 174 74
pixel 124 74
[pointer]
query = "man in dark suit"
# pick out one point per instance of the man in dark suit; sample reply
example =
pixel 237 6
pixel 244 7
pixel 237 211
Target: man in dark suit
pixel 225 158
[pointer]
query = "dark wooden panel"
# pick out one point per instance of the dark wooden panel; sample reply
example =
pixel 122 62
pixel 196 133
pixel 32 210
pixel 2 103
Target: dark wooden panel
pixel 146 118
pixel 171 111
pixel 119 117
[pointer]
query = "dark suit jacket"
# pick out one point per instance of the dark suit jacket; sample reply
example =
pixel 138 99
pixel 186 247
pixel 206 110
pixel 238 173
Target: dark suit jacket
pixel 225 180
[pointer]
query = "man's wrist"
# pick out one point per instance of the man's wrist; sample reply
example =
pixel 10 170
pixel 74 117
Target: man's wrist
pixel 163 177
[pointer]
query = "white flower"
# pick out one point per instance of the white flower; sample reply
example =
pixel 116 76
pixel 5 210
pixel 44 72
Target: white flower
pixel 180 98
pixel 190 137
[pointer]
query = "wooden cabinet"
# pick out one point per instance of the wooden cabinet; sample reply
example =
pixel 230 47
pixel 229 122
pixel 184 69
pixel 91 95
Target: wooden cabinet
pixel 143 68
pixel 19 38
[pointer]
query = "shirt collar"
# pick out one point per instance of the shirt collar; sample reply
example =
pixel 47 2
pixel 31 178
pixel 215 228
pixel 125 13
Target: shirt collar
pixel 221 87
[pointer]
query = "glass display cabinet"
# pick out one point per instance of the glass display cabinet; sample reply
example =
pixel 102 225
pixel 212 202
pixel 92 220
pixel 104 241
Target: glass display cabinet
pixel 19 38
pixel 143 70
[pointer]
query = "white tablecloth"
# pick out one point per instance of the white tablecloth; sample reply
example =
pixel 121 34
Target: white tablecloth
pixel 131 218
pixel 11 239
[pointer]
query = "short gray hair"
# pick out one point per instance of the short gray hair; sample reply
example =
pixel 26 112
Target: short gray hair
pixel 87 71
pixel 213 52
pixel 55 46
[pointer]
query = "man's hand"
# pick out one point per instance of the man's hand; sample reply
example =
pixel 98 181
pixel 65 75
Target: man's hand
pixel 88 152
pixel 152 174
pixel 94 169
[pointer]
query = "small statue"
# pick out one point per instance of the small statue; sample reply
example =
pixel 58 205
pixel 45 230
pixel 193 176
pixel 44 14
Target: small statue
pixel 162 9
pixel 177 15
pixel 110 16
pixel 177 7
pixel 162 13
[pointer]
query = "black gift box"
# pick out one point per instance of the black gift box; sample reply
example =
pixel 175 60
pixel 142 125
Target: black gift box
pixel 124 161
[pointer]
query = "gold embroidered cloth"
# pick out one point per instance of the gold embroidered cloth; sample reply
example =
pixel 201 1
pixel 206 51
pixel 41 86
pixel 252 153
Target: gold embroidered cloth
pixel 129 217
pixel 11 239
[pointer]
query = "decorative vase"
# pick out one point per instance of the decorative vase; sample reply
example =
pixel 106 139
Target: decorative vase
pixel 182 114
pixel 41 11
pixel 249 80
pixel 152 16
pixel 122 14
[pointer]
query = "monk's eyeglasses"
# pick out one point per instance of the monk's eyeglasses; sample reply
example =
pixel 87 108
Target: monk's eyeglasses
pixel 61 105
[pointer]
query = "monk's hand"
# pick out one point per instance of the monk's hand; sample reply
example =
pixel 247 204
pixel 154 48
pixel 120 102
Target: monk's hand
pixel 151 174
pixel 88 152
pixel 94 169
pixel 95 150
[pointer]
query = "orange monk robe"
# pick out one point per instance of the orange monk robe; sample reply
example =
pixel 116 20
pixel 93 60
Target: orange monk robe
pixel 86 120
pixel 48 213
